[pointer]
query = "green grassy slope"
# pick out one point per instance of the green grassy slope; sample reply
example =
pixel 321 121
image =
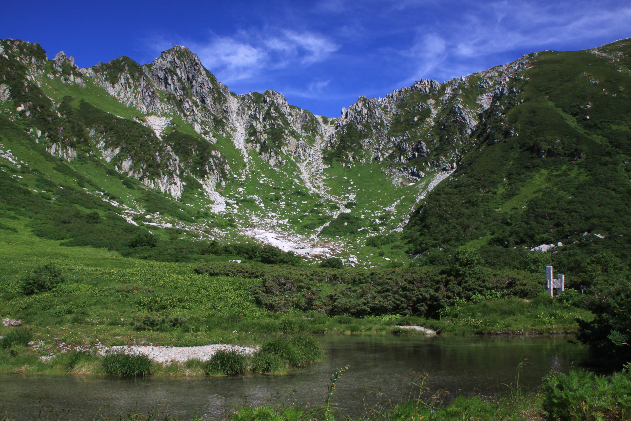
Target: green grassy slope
pixel 550 165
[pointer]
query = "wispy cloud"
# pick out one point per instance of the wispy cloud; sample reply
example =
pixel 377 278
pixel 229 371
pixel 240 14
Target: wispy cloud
pixel 427 54
pixel 316 47
pixel 495 29
pixel 532 25
pixel 235 59
pixel 316 88
pixel 248 54
pixel 321 91
pixel 332 50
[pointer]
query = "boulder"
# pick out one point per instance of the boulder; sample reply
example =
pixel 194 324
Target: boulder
pixel 11 323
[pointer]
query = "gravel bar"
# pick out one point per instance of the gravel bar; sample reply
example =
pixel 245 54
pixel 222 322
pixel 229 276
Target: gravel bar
pixel 167 354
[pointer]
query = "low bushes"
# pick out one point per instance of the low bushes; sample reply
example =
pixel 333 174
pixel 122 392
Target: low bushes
pixel 332 262
pixel 609 332
pixel 126 365
pixel 405 291
pixel 263 362
pixel 227 362
pixel 19 337
pixel 275 356
pixel 296 351
pixel 43 278
pixel 581 395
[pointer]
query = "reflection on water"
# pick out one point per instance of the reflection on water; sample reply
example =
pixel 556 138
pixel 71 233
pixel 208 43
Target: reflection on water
pixel 382 369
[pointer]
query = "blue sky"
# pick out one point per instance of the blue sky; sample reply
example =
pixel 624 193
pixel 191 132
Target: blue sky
pixel 322 54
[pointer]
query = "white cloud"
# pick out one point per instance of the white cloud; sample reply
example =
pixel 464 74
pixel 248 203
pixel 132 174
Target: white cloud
pixel 471 41
pixel 426 55
pixel 316 87
pixel 236 60
pixel 532 25
pixel 315 46
pixel 248 54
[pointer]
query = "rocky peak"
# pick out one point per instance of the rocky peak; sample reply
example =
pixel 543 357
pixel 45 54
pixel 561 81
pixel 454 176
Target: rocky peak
pixel 31 55
pixel 179 71
pixel 66 69
pixel 61 58
pixel 426 86
pixel 412 122
pixel 362 111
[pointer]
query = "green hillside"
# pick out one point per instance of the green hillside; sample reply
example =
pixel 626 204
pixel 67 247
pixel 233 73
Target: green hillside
pixel 549 165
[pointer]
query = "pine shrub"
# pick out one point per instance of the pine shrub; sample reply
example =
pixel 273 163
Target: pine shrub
pixel 43 278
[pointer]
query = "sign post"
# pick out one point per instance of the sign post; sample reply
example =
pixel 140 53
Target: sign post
pixel 552 283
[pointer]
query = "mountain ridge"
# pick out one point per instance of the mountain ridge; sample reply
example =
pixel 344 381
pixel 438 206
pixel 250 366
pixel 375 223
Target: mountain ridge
pixel 174 128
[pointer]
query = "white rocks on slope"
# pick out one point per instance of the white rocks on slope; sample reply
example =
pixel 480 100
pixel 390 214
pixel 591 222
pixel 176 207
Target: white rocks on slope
pixel 157 124
pixel 298 244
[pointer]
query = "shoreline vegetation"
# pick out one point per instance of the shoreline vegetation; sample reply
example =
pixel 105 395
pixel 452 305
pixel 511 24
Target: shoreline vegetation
pixel 579 395
pixel 74 300
pixel 291 351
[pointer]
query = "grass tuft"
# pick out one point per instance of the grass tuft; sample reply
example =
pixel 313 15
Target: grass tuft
pixel 228 363
pixel 126 365
pixel 16 338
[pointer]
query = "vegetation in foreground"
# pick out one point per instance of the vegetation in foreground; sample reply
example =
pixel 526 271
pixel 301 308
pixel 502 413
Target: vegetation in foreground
pixel 579 395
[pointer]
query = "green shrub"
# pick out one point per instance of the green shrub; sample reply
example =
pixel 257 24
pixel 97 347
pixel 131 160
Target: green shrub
pixel 344 319
pixel 332 262
pixel 344 224
pixel 155 321
pixel 129 184
pixel 572 298
pixel 16 337
pixel 296 351
pixel 143 239
pixel 291 325
pixel 581 395
pixel 43 278
pixel 227 362
pixel 126 365
pixel 282 348
pixel 265 362
pixel 609 332
pixel 309 347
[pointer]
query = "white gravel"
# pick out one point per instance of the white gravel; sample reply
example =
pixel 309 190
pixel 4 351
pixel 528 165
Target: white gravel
pixel 168 354
pixel 428 331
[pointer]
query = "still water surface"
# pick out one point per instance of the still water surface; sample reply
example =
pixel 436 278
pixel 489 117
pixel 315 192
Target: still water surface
pixel 382 369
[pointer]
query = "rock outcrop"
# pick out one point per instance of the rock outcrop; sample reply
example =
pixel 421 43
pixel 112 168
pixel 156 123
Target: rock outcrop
pixel 412 129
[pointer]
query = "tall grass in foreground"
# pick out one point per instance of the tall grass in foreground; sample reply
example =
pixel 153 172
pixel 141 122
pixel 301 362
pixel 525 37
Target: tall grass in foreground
pixel 582 395
pixel 579 395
